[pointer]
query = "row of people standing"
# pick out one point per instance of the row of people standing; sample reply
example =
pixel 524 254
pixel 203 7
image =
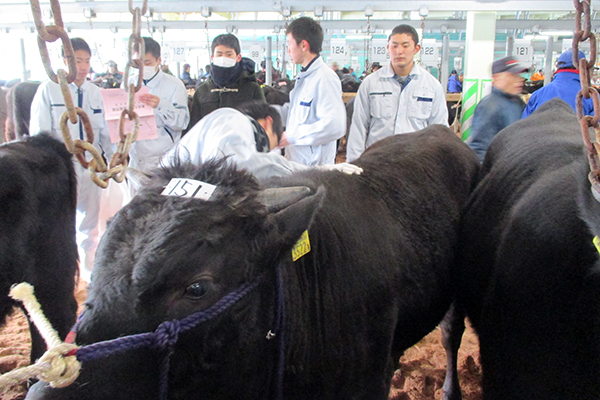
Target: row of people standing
pixel 401 97
pixel 166 96
pixel 504 105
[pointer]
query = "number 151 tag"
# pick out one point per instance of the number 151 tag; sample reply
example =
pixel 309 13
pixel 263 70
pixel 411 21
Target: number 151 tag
pixel 181 187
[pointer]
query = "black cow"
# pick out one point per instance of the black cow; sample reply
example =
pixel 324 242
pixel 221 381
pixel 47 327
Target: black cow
pixel 38 194
pixel 376 279
pixel 529 274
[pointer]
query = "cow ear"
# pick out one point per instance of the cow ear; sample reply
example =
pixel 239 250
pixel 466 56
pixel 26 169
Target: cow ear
pixel 291 221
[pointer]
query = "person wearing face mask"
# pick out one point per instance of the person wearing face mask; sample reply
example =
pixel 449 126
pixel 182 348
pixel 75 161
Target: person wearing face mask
pixel 168 97
pixel 47 107
pixel 232 80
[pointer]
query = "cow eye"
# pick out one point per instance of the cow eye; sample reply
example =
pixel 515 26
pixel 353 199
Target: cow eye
pixel 197 290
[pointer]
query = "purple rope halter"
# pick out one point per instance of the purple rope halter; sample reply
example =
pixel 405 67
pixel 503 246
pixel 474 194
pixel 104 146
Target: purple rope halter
pixel 165 336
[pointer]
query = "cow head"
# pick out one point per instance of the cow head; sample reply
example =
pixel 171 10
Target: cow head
pixel 164 258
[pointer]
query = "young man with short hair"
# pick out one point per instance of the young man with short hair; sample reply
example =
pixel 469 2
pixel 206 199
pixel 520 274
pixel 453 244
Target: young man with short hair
pixel 317 116
pixel 168 98
pixel 232 79
pixel 246 136
pixel 46 110
pixel 399 98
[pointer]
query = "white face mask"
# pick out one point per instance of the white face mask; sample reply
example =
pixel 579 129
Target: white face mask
pixel 224 62
pixel 149 71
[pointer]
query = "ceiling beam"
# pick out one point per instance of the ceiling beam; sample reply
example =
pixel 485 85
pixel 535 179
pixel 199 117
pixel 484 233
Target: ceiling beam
pixel 162 6
pixel 433 25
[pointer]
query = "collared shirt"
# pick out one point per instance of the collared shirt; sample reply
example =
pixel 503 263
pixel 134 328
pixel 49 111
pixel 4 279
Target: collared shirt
pixel 172 116
pixel 48 106
pixel 317 116
pixel 226 132
pixel 383 107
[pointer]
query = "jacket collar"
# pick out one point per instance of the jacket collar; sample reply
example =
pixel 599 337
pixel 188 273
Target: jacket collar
pixel 156 80
pixel 313 66
pixel 388 72
pixel 503 93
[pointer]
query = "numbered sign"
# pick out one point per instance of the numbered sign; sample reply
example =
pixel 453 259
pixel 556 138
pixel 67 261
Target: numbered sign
pixel 379 51
pixel 430 50
pixel 188 188
pixel 255 54
pixel 339 51
pixel 524 51
pixel 177 51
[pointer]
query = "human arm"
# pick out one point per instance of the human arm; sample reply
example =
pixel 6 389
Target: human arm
pixel 530 107
pixel 361 121
pixel 439 108
pixel 323 120
pixel 196 111
pixel 40 119
pixel 174 111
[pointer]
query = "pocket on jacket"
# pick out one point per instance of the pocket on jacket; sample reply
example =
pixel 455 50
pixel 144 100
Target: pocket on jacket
pixel 382 105
pixel 57 111
pixel 422 104
pixel 304 107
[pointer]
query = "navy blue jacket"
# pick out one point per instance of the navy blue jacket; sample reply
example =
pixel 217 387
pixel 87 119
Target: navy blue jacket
pixel 565 86
pixel 493 113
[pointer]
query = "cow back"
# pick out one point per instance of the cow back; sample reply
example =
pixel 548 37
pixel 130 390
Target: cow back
pixel 528 271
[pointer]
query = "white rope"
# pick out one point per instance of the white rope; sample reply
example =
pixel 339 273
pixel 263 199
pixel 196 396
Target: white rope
pixel 54 367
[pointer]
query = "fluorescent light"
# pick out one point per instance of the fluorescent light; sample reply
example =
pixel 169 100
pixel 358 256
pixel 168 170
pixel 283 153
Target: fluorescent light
pixel 556 33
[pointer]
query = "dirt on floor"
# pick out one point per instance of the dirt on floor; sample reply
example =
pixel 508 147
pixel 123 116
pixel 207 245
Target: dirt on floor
pixel 420 377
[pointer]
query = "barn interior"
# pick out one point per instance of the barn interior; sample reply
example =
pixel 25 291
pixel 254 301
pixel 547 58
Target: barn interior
pixel 458 36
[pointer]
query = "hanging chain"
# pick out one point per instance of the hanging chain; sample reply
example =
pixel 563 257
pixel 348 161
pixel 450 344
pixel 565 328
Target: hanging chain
pixel 51 33
pixel 582 33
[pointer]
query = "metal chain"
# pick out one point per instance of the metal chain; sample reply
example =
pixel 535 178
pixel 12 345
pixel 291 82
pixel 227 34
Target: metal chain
pixel 97 167
pixel 583 20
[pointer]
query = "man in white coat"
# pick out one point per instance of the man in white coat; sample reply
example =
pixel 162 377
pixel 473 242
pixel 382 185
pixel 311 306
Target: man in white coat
pixel 399 98
pixel 168 98
pixel 46 110
pixel 247 137
pixel 317 116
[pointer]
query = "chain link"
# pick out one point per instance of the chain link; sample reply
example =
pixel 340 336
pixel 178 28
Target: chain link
pixel 97 167
pixel 582 33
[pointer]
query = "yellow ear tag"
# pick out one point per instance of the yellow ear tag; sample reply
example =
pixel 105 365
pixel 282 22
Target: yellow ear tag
pixel 596 242
pixel 301 247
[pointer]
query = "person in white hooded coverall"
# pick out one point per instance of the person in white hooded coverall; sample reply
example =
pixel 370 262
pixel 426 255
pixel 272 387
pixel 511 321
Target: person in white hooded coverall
pixel 317 116
pixel 46 110
pixel 247 137
pixel 168 98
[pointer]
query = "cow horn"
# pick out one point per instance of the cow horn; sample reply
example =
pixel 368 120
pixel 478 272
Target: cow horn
pixel 276 199
pixel 137 178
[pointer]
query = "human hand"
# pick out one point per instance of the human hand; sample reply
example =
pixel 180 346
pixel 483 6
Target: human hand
pixel 346 168
pixel 150 100
pixel 283 141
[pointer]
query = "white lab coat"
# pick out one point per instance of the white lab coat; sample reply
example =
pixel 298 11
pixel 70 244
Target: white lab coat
pixel 172 116
pixel 228 132
pixel 46 109
pixel 382 109
pixel 48 106
pixel 317 116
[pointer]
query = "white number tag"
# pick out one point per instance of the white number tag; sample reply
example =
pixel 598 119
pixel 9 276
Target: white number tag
pixel 179 187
